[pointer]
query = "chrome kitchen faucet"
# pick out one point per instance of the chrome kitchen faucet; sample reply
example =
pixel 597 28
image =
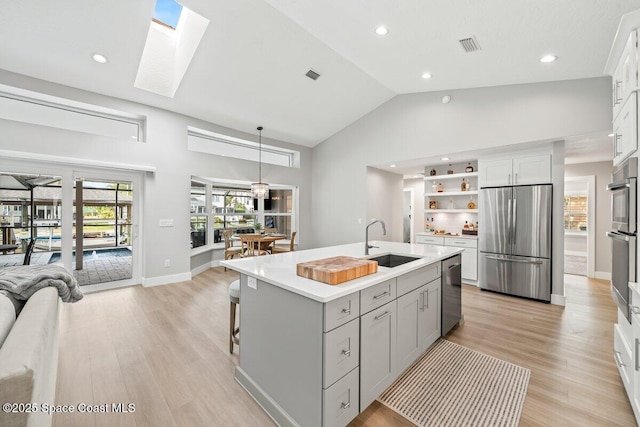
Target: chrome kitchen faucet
pixel 367 246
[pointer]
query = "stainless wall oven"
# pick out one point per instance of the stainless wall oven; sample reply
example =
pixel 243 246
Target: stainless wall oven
pixel 623 234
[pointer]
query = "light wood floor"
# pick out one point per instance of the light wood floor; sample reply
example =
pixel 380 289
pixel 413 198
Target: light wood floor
pixel 165 349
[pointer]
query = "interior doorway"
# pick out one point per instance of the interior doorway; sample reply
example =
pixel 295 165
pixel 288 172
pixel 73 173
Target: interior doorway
pixel 579 226
pixel 407 215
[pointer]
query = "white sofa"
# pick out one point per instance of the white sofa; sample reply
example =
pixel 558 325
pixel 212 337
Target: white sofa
pixel 29 356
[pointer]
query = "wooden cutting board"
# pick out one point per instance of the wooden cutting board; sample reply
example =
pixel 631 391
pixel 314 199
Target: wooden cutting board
pixel 337 269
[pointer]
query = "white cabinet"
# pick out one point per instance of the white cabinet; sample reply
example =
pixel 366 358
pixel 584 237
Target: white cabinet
pixel 469 256
pixel 625 80
pixel 515 171
pixel 495 172
pixel 429 240
pixel 377 352
pixel 625 130
pixel 418 322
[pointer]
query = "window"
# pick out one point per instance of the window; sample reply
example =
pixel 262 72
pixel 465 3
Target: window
pixel 199 218
pixel 575 213
pixel 167 12
pixel 280 213
pixel 46 110
pixel 230 205
pixel 222 145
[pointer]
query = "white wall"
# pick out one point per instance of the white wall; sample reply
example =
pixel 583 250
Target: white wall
pixel 602 172
pixel 167 192
pixel 419 125
pixel 384 202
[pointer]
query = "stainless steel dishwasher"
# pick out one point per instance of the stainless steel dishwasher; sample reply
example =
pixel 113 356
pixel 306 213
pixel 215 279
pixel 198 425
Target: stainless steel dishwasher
pixel 451 293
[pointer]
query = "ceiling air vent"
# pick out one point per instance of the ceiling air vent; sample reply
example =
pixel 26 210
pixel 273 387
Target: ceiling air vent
pixel 470 44
pixel 312 75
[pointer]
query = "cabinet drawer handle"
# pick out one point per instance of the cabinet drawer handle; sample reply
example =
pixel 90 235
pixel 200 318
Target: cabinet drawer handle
pixel 382 295
pixel 346 352
pixel 516 180
pixel 346 311
pixel 637 355
pixel 422 301
pixel 617 99
pixel 616 354
pixel 346 405
pixel 383 315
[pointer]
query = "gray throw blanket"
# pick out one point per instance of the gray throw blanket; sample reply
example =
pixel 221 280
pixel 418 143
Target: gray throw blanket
pixel 25 280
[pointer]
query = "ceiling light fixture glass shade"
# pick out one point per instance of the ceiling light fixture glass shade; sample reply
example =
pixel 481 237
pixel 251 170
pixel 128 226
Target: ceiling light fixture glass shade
pixel 260 190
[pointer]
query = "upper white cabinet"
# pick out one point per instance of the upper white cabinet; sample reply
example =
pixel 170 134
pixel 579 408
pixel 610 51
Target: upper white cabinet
pixel 625 76
pixel 515 171
pixel 625 130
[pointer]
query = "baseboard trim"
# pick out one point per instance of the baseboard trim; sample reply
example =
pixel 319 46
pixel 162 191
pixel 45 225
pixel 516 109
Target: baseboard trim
pixel 277 414
pixel 576 253
pixel 603 275
pixel 558 299
pixel 202 268
pixel 165 280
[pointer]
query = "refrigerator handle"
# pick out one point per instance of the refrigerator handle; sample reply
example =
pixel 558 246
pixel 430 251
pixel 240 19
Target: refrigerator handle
pixel 513 222
pixel 509 228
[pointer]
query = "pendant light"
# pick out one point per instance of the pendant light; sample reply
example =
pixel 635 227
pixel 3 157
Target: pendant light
pixel 260 190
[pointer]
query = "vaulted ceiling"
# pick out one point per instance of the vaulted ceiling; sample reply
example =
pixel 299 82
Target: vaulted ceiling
pixel 250 67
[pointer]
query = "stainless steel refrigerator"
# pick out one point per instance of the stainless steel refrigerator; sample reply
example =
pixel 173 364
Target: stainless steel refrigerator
pixel 515 240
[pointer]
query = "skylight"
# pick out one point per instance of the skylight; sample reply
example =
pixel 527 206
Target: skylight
pixel 167 12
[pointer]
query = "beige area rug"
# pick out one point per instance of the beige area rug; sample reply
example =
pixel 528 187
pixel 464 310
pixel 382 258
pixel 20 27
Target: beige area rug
pixel 453 386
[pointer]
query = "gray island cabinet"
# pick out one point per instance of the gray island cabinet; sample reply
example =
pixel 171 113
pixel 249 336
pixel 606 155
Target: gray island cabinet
pixel 312 354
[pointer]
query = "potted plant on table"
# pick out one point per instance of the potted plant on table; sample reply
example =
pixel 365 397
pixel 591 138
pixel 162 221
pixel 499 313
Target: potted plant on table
pixel 258 227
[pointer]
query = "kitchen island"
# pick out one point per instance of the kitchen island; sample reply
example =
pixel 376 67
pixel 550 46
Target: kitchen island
pixel 313 354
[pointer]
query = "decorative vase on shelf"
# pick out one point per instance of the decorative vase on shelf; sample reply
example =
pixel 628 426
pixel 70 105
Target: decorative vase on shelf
pixel 440 189
pixel 469 168
pixel 471 204
pixel 433 172
pixel 450 170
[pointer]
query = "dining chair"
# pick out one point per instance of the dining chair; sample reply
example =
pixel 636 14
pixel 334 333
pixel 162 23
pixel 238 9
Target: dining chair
pixel 278 249
pixel 270 230
pixel 251 245
pixel 234 299
pixel 229 250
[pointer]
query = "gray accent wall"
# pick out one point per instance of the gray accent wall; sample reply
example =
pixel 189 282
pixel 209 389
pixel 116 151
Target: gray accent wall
pixel 167 191
pixel 602 172
pixel 419 125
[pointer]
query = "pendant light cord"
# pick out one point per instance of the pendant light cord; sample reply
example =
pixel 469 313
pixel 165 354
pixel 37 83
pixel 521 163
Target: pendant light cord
pixel 260 155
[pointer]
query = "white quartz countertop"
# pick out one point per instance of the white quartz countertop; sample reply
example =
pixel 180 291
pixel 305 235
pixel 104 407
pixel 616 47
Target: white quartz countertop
pixel 280 269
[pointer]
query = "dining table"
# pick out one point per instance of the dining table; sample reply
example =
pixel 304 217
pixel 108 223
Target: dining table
pixel 265 239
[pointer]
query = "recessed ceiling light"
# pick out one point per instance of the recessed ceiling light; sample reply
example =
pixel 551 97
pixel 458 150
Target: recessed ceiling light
pixel 382 30
pixel 610 135
pixel 548 58
pixel 446 99
pixel 426 76
pixel 392 166
pixel 445 159
pixel 99 58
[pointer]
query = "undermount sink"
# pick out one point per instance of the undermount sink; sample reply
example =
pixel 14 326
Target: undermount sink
pixel 392 260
